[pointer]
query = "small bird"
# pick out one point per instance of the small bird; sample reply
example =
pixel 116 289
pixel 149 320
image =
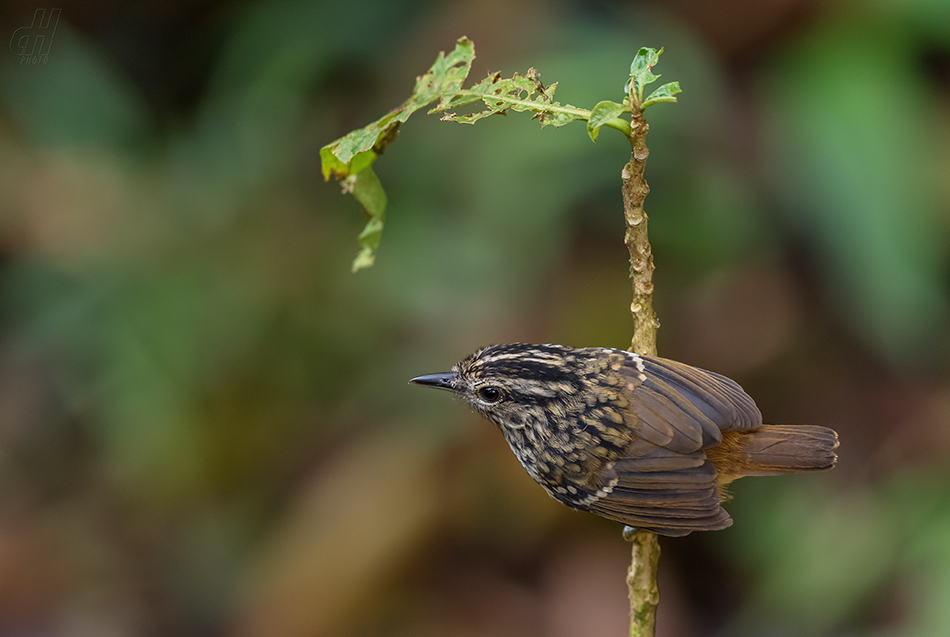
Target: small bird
pixel 645 441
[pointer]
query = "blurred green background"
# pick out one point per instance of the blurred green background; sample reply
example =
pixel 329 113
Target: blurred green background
pixel 205 426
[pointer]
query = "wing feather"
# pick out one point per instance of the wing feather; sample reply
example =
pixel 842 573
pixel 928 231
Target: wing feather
pixel 663 491
pixel 719 398
pixel 684 408
pixel 662 480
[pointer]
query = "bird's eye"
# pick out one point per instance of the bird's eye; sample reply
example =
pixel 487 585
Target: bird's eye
pixel 489 394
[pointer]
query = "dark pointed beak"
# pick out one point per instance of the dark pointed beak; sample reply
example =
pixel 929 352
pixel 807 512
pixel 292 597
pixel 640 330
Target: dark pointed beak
pixel 439 381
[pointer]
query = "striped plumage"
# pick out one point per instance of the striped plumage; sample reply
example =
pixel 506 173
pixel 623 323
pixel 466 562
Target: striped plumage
pixel 645 441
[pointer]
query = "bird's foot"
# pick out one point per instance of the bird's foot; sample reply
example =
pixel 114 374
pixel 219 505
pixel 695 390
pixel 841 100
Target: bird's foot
pixel 629 532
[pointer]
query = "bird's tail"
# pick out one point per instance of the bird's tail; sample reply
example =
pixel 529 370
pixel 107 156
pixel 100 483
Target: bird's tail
pixel 774 449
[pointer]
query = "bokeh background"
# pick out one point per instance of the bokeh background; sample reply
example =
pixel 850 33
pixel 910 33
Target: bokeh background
pixel 205 425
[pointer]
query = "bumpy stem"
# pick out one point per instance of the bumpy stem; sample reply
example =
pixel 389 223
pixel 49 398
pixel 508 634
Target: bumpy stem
pixel 635 190
pixel 641 577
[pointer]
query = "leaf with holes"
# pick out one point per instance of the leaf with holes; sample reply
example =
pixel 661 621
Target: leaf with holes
pixel 517 93
pixel 640 73
pixel 350 157
pixel 443 79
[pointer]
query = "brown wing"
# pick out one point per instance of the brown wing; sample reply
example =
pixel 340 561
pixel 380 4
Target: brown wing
pixel 684 408
pixel 720 399
pixel 663 491
pixel 664 483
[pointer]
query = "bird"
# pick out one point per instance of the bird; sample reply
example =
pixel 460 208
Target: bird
pixel 646 441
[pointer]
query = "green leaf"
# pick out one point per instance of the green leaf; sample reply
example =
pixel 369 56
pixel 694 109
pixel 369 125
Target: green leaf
pixel 369 240
pixel 517 93
pixel 444 78
pixel 640 73
pixel 331 165
pixel 349 158
pixel 367 189
pixel 663 94
pixel 602 113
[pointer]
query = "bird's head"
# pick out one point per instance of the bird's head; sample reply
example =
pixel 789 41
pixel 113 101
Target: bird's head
pixel 515 385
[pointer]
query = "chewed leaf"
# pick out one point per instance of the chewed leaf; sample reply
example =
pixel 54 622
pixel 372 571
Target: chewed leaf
pixel 602 113
pixel 350 158
pixel 640 73
pixel 663 94
pixel 444 78
pixel 517 93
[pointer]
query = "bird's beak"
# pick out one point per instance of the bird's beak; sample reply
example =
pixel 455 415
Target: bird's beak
pixel 439 381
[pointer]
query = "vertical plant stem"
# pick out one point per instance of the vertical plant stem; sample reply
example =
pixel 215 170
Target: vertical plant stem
pixel 641 583
pixel 641 576
pixel 635 190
